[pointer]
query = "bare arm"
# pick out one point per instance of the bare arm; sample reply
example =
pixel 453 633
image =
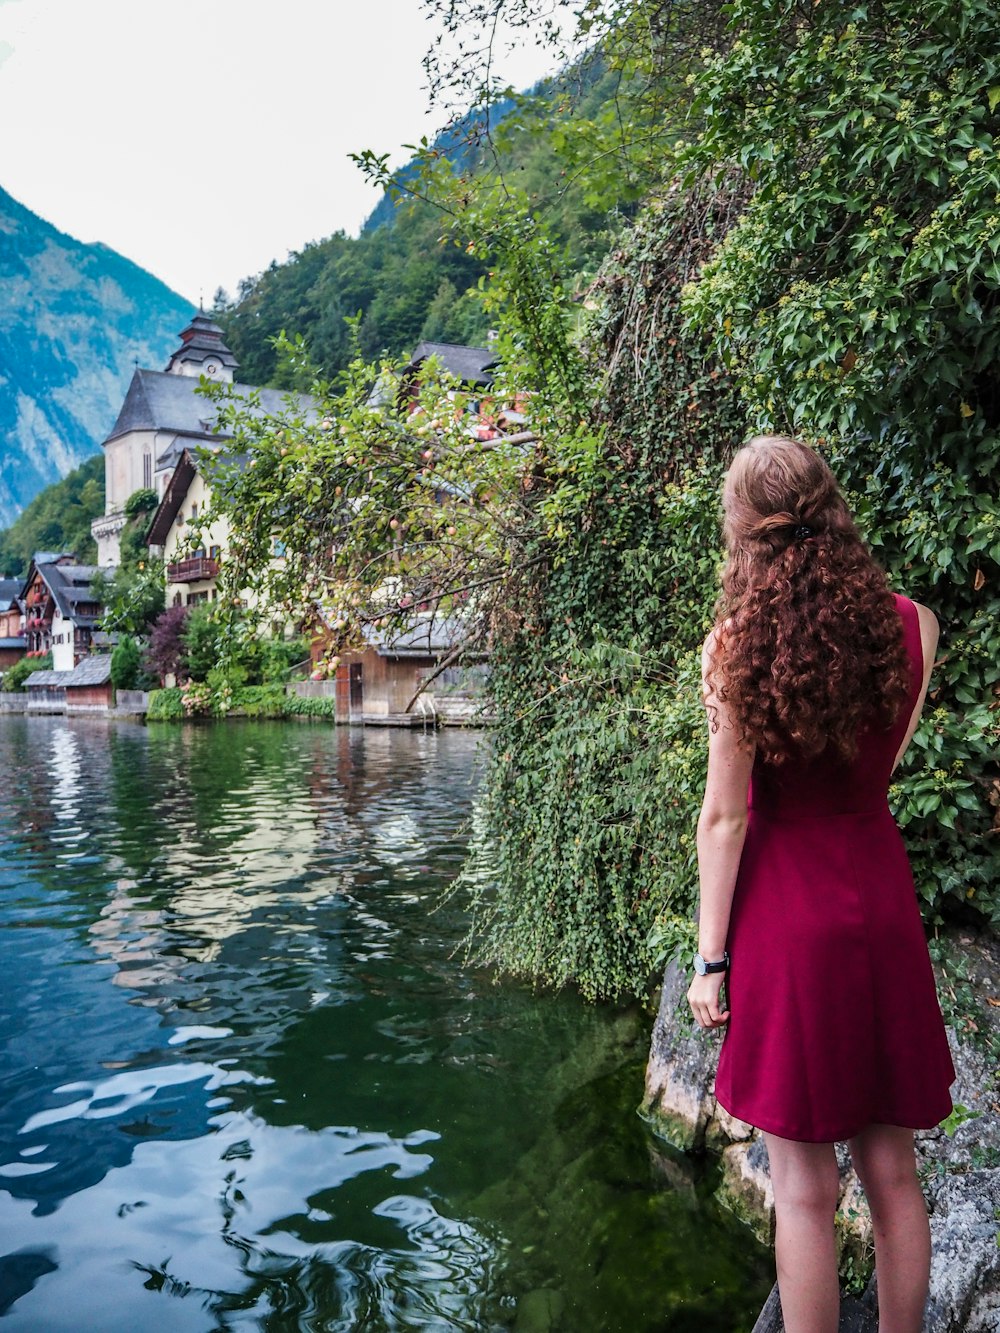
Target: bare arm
pixel 929 632
pixel 722 828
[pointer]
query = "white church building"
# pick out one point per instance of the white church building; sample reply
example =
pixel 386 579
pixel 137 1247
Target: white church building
pixel 162 416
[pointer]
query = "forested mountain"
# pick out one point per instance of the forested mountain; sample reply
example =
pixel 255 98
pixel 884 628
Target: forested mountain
pixel 57 519
pixel 409 275
pixel 74 320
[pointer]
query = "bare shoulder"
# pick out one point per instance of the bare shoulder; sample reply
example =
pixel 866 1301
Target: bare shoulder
pixel 927 616
pixel 714 640
pixel 930 630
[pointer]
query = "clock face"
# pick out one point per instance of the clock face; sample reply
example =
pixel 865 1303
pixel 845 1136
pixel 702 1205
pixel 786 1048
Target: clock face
pixel 211 367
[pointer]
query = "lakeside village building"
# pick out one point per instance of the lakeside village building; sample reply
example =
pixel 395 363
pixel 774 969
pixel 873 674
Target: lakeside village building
pixel 373 685
pixel 154 445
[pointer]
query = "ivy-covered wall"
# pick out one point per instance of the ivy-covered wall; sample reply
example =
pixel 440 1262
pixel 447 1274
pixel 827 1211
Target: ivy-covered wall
pixel 824 263
pixel 585 868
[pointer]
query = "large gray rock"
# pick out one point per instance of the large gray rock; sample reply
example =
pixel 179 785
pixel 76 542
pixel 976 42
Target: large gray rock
pixel 680 1074
pixel 746 1186
pixel 965 1256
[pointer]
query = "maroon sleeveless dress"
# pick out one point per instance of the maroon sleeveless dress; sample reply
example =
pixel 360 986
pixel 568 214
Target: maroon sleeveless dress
pixel 834 1019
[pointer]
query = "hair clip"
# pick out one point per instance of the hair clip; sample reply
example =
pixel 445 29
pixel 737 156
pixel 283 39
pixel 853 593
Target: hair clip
pixel 802 532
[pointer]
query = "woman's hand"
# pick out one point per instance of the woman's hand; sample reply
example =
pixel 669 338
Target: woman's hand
pixel 703 997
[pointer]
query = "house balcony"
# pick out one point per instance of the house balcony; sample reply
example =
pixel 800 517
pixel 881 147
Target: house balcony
pixel 195 570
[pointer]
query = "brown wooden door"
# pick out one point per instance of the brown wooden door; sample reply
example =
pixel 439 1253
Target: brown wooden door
pixel 357 692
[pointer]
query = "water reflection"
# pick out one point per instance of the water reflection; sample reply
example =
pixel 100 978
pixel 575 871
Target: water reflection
pixel 246 1085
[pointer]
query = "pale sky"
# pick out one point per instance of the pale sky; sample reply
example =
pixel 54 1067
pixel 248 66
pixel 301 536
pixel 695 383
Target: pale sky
pixel 204 139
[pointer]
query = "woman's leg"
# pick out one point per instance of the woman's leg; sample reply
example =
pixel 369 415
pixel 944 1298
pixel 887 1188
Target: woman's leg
pixel 884 1159
pixel 806 1185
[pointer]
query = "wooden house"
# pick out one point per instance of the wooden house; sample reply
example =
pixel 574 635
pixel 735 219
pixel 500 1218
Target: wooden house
pixel 88 687
pixel 13 644
pixel 46 691
pixel 190 574
pixel 377 685
pixel 60 609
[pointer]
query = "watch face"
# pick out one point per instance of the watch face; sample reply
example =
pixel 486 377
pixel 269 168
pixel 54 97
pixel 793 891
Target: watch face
pixel 699 964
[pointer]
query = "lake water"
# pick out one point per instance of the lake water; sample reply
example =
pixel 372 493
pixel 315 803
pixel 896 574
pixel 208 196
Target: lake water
pixel 248 1082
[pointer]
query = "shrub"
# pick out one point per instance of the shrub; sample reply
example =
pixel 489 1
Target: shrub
pixel 126 664
pixel 218 697
pixel 165 706
pixel 277 657
pixel 165 652
pixel 298 706
pixel 142 501
pixel 15 676
pixel 202 638
pixel 260 701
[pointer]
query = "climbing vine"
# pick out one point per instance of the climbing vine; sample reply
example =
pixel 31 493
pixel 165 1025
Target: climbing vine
pixel 856 303
pixel 586 865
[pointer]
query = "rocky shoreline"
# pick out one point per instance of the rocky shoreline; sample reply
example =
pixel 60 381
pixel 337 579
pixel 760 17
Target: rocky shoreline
pixel 959 1160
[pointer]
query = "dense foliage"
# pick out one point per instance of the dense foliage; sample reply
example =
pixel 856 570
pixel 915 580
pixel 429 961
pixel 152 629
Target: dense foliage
pixel 126 664
pixel 585 870
pixel 165 648
pixel 839 315
pixel 858 301
pixel 819 257
pixel 134 594
pixel 217 662
pixel 57 519
pixel 15 676
pixel 268 701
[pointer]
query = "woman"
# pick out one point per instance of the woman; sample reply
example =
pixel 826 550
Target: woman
pixel 815 675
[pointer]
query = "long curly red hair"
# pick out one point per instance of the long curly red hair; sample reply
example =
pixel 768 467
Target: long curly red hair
pixel 808 646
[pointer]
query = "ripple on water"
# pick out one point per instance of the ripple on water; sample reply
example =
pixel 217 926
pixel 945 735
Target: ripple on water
pixel 247 1083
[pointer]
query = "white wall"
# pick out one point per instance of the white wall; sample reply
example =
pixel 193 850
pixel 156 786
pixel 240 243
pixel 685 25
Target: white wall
pixel 62 653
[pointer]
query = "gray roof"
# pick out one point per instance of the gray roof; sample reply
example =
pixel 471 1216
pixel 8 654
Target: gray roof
pixel 69 585
pixel 157 400
pixel 93 670
pixel 432 637
pixel 38 679
pixel 9 592
pixel 472 365
pixel 19 642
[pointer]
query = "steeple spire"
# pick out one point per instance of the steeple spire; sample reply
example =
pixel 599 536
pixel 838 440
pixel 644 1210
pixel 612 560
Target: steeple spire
pixel 203 351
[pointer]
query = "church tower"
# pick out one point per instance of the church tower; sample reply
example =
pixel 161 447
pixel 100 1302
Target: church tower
pixel 162 415
pixel 202 352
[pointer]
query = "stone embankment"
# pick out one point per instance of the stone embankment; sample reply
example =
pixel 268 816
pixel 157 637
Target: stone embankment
pixel 959 1163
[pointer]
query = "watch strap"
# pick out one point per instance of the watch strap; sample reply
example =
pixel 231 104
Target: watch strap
pixel 702 966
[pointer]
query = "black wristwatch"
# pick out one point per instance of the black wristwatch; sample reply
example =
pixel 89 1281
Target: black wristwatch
pixel 701 967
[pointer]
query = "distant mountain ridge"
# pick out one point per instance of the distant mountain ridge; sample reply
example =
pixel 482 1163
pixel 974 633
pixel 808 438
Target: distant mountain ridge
pixel 74 321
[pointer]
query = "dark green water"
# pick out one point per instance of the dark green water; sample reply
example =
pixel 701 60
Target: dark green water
pixel 248 1085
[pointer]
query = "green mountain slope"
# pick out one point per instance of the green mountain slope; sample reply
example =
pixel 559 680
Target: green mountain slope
pixel 407 275
pixel 57 519
pixel 74 320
